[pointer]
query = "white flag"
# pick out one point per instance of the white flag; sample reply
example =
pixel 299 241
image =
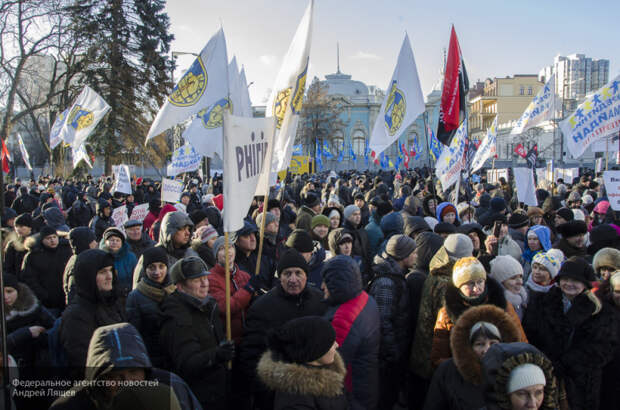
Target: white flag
pixel 234 87
pixel 288 93
pixel 247 143
pixel 540 109
pixel 487 148
pixel 597 117
pixel 57 127
pixel 201 86
pixel 25 155
pixel 451 161
pixel 402 104
pixel 246 103
pixel 89 108
pixel 79 154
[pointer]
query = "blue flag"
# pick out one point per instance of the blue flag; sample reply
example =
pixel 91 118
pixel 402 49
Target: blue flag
pixel 319 161
pixel 326 152
pixel 399 159
pixel 341 153
pixel 384 161
pixel 298 149
pixel 351 152
pixel 435 147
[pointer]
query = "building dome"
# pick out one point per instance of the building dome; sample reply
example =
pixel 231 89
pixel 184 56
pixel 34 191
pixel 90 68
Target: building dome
pixel 341 84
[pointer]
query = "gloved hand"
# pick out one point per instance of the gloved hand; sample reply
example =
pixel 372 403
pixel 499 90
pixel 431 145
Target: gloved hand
pixel 254 284
pixel 225 351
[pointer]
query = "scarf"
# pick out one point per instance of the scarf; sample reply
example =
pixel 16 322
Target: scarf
pixel 536 287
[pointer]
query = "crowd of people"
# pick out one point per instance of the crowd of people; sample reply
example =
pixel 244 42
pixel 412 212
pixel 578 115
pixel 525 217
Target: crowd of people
pixel 371 291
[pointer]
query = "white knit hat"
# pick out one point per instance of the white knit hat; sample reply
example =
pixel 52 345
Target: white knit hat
pixel 504 267
pixel 551 260
pixel 523 376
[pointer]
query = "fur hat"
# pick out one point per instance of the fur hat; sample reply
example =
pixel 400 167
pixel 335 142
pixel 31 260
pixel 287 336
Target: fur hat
pixel 23 220
pixel 466 270
pixel 311 200
pixel 606 257
pixel 47 230
pixel 504 267
pixel 302 340
pixel 551 260
pixel 319 220
pixel 458 245
pixel 191 267
pixel 444 227
pixel 349 210
pixel 300 240
pixel 615 279
pixel 292 259
pixel 573 228
pixel 399 247
pixel 578 269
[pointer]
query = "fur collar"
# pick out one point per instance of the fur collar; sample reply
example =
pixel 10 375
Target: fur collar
pixel 26 303
pixel 582 308
pixel 464 357
pixel 294 378
pixel 456 305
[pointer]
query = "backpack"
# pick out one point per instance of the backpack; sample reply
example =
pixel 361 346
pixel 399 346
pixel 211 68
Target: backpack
pixel 57 353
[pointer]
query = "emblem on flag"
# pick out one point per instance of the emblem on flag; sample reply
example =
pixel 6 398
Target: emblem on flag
pixel 191 86
pixel 395 109
pixel 80 118
pixel 213 116
pixel 300 86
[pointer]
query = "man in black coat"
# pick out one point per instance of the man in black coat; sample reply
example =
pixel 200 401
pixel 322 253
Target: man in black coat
pixel 289 299
pixel 24 203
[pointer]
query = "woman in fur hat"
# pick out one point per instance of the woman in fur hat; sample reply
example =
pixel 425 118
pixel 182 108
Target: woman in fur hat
pixel 457 382
pixel 303 367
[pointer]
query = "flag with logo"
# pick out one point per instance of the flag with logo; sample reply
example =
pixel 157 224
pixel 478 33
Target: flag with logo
pixel 24 152
pixel 85 113
pixel 532 156
pixel 453 94
pixel 6 157
pixel 520 151
pixel 319 160
pixel 203 88
pixel 298 149
pixel 79 153
pixel 326 153
pixel 451 161
pixel 487 148
pixel 352 152
pixel 435 145
pixel 287 94
pixel 184 159
pixel 403 102
pixel 57 127
pixel 540 109
pixel 341 153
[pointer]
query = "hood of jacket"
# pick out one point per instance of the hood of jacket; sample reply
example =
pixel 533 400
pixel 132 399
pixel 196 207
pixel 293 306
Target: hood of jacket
pixel 343 279
pixel 171 224
pixel 544 236
pixel 80 239
pixel 318 256
pixel 441 207
pixel 441 264
pixel 333 238
pixel 54 217
pixel 427 245
pixel 300 379
pixel 392 224
pixel 114 347
pixel 85 272
pixel 26 303
pixel 101 205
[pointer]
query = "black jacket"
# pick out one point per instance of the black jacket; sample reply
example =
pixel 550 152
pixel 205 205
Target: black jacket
pixel 138 247
pixel 611 382
pixel 25 203
pixel 80 213
pixel 15 252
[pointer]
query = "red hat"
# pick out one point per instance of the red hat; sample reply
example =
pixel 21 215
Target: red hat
pixel 218 200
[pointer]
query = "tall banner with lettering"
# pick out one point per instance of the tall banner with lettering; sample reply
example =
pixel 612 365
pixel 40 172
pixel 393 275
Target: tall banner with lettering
pixel 540 109
pixel 24 152
pixel 597 117
pixel 451 161
pixel 248 143
pixel 487 148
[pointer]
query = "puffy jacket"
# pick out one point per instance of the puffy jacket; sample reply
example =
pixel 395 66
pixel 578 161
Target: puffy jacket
pixel 80 213
pixel 14 254
pixel 80 239
pixel 355 317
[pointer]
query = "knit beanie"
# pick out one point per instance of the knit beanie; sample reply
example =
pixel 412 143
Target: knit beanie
pixel 269 218
pixel 349 210
pixel 573 228
pixel 334 213
pixel 551 260
pixel 300 240
pixel 219 242
pixel 504 267
pixel 154 254
pixel 466 270
pixel 112 231
pixel 311 200
pixel 447 209
pixel 302 340
pixel 197 216
pixel 47 230
pixel 400 246
pixel 10 280
pixel 292 259
pixel 578 269
pixel 566 214
pixel 486 325
pixel 523 376
pixel 23 220
pixel 205 233
pixel 518 220
pixel 606 257
pixel 498 204
pixel 319 220
pixel 458 245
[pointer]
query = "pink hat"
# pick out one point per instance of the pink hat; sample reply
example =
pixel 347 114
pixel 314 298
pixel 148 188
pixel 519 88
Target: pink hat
pixel 602 207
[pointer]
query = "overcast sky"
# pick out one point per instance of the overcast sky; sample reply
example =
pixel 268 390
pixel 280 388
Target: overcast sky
pixel 497 37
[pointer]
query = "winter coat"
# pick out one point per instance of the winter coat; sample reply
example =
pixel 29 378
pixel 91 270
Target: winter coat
pixel 26 312
pixel 100 222
pixel 355 317
pixel 301 386
pixel 304 218
pixel 143 309
pixel 79 239
pixel 138 247
pixel 43 270
pixel 124 264
pixel 156 227
pixel 268 312
pixel 389 288
pixel 239 297
pixel 432 300
pixel 568 250
pixel 457 382
pixel 315 266
pixel 391 224
pixel 25 203
pixel 374 233
pixel 577 342
pixel 247 263
pixel 190 334
pixel 14 254
pixel 611 382
pixel 115 347
pixel 80 213
pixel 454 306
pixel 89 310
pixel 361 248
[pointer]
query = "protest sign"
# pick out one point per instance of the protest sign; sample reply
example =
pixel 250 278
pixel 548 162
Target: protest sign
pixel 139 212
pixel 119 216
pixel 184 159
pixel 122 180
pixel 612 186
pixel 493 175
pixel 526 191
pixel 171 190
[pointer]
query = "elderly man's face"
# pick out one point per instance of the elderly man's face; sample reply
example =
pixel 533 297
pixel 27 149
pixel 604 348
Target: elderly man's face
pixel 293 280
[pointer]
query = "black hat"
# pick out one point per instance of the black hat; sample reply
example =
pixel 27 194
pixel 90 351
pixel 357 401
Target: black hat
pixel 10 280
pixel 24 220
pixel 197 216
pixel 579 269
pixel 292 259
pixel 302 340
pixel 602 236
pixel 247 229
pixel 300 240
pixel 445 227
pixel 112 231
pixel 154 254
pixel 191 267
pixel 359 195
pixel 311 200
pixel 498 204
pixel 47 230
pixel 566 214
pixel 573 228
pixel 273 203
pixel 518 220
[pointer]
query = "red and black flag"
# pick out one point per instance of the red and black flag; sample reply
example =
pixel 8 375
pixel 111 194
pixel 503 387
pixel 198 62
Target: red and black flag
pixel 6 157
pixel 454 93
pixel 532 156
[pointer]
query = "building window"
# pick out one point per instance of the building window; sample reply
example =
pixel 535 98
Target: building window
pixel 359 142
pixel 337 143
pixel 529 90
pixel 522 90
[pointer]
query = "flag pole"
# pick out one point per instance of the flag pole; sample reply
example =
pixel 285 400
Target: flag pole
pixel 606 153
pixel 227 289
pixel 428 151
pixel 261 234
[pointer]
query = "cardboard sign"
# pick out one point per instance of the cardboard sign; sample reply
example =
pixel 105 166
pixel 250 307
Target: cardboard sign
pixel 171 190
pixel 119 216
pixel 139 212
pixel 612 186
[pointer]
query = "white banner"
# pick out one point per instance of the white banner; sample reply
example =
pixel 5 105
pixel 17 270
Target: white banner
pixel 607 144
pixel 201 86
pixel 246 145
pixel 83 117
pixel 612 186
pixel 599 165
pixel 79 154
pixel 452 159
pixel 493 175
pixel 526 190
pixel 597 117
pixel 567 174
pixel 57 127
pixel 403 102
pixel 171 190
pixel 540 109
pixel 122 180
pixel 139 212
pixel 25 155
pixel 487 148
pixel 246 103
pixel 184 159
pixel 119 217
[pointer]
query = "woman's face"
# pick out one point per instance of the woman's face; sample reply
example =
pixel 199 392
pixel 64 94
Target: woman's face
pixel 536 219
pixel 432 206
pixel 533 242
pixel 346 248
pixel 605 272
pixel 528 398
pixel 334 222
pixel 104 278
pixel 475 240
pixel 450 217
pixel 321 231
pixel 156 271
pixel 22 230
pixel 571 287
pixel 114 243
pixel 482 344
pixel 473 288
pixel 540 274
pixel 514 284
pixel 10 296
